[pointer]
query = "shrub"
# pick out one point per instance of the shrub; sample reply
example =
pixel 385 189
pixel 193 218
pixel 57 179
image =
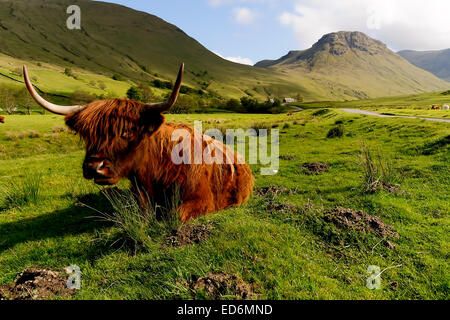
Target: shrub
pixel 68 72
pixel 233 105
pixel 117 77
pixel 321 112
pixel 336 132
pixel 162 84
pixel 134 94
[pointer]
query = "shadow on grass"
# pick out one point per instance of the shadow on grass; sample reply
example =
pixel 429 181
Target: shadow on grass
pixel 70 221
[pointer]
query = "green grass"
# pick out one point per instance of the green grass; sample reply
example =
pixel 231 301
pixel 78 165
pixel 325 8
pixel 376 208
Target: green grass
pixel 419 103
pixel 287 254
pixel 51 78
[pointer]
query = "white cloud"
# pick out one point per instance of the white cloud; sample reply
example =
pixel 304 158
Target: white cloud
pixel 244 15
pixel 236 59
pixel 402 24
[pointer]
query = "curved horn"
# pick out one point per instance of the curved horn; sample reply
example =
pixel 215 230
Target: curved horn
pixel 61 110
pixel 164 106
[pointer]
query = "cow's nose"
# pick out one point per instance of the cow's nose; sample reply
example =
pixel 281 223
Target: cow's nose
pixel 94 168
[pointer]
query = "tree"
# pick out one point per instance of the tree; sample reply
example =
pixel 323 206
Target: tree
pixel 299 97
pixel 24 99
pixel 184 104
pixel 8 101
pixel 146 93
pixel 117 77
pixel 233 105
pixel 134 94
pixel 250 104
pixel 68 72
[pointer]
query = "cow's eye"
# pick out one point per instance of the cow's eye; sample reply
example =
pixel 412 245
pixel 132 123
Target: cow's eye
pixel 127 135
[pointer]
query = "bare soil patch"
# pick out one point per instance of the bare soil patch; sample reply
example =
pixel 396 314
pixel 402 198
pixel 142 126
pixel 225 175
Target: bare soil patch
pixel 287 157
pixel 315 167
pixel 218 285
pixel 272 191
pixel 281 207
pixel 389 187
pixel 360 221
pixel 36 283
pixel 189 234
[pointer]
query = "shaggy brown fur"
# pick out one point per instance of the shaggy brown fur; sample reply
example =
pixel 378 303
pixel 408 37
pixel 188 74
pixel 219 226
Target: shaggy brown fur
pixel 126 139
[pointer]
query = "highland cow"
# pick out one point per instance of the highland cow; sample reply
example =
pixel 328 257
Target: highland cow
pixel 2 119
pixel 130 139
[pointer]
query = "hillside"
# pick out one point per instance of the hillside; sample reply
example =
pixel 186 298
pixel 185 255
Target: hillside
pixel 140 47
pixel 118 40
pixel 436 62
pixel 351 64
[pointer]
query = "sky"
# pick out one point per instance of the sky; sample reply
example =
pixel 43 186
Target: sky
pixel 247 31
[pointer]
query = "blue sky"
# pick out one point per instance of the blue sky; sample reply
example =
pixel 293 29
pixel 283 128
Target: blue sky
pixel 251 30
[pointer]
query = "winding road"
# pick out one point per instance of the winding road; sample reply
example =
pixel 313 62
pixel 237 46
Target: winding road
pixel 371 113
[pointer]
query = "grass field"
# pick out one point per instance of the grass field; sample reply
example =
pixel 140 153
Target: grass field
pixel 422 101
pixel 281 244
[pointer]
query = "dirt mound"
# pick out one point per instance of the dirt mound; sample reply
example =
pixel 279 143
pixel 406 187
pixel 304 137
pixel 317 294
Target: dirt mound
pixel 379 185
pixel 287 157
pixel 189 234
pixel 281 207
pixel 217 285
pixel 315 167
pixel 36 283
pixel 272 190
pixel 360 221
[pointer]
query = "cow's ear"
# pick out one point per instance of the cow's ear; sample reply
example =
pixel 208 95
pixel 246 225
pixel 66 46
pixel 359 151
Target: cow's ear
pixel 71 121
pixel 151 120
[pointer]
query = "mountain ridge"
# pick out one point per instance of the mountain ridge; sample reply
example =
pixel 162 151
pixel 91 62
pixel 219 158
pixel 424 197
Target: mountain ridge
pixel 435 61
pixel 352 63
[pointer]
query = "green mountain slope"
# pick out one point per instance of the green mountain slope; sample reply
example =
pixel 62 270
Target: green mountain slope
pixel 436 62
pixel 351 64
pixel 118 40
pixel 137 46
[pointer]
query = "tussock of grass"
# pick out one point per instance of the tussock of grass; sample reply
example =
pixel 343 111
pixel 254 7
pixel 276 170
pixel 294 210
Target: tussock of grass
pixel 18 194
pixel 32 134
pixel 336 132
pixel 378 171
pixel 139 219
pixel 436 146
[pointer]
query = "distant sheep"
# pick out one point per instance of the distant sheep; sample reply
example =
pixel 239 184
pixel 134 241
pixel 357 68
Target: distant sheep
pixel 445 107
